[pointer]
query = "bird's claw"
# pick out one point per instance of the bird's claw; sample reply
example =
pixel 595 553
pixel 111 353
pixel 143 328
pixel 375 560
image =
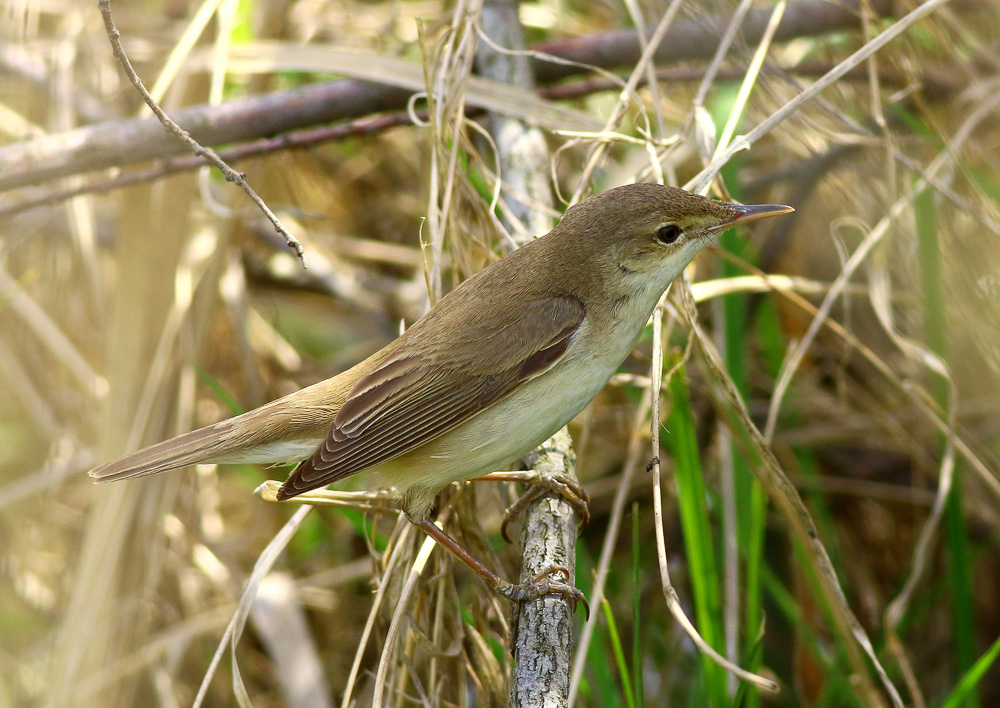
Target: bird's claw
pixel 545 584
pixel 561 484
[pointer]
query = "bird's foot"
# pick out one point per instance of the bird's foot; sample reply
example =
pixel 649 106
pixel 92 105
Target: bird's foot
pixel 565 486
pixel 545 583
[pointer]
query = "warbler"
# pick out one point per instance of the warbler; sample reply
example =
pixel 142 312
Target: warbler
pixel 495 368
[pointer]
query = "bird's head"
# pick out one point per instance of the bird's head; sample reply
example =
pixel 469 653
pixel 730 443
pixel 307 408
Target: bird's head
pixel 641 236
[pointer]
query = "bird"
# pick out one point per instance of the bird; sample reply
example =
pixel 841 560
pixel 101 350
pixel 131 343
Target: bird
pixel 496 367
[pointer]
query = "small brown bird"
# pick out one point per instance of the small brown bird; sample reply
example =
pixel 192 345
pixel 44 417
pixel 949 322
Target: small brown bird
pixel 495 368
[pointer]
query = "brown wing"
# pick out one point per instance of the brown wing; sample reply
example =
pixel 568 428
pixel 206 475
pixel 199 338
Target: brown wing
pixel 415 396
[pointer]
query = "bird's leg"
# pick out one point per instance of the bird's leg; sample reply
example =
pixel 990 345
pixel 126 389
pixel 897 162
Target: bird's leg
pixel 540 483
pixel 390 502
pixel 542 584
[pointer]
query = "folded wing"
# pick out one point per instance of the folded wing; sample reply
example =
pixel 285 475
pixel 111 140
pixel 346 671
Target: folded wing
pixel 422 393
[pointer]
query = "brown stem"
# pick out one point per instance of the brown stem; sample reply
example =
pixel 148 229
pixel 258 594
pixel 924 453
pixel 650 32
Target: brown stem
pixel 120 143
pixel 207 154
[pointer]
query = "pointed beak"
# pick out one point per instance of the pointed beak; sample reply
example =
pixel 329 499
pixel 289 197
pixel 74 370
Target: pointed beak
pixel 745 213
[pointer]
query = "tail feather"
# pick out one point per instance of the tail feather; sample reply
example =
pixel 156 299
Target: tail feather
pixel 198 446
pixel 285 430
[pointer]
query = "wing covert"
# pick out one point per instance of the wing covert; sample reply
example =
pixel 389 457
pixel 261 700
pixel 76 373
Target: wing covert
pixel 418 394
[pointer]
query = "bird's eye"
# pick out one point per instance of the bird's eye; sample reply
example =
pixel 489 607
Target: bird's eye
pixel 668 233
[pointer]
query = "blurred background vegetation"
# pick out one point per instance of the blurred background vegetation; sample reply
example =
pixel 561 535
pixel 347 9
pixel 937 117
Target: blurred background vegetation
pixel 140 298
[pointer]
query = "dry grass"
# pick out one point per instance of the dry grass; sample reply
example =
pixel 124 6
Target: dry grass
pixel 129 316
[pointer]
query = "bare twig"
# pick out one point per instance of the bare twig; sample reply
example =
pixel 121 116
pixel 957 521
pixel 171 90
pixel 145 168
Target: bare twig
pixel 699 38
pixel 121 143
pixel 207 154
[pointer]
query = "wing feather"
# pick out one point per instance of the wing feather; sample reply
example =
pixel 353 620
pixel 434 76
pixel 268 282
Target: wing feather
pixel 416 396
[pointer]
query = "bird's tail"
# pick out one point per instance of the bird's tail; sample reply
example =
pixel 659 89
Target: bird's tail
pixel 203 445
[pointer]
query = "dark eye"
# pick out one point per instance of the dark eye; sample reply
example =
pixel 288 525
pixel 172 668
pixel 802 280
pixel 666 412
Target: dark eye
pixel 668 233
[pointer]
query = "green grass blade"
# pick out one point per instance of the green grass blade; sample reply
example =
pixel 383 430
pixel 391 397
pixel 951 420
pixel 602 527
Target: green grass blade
pixel 692 500
pixel 970 680
pixel 637 652
pixel 955 528
pixel 619 653
pixel 751 501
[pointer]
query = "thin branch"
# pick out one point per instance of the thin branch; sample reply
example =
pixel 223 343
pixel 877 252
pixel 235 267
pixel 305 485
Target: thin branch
pixel 698 38
pixel 207 154
pixel 934 83
pixel 119 143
